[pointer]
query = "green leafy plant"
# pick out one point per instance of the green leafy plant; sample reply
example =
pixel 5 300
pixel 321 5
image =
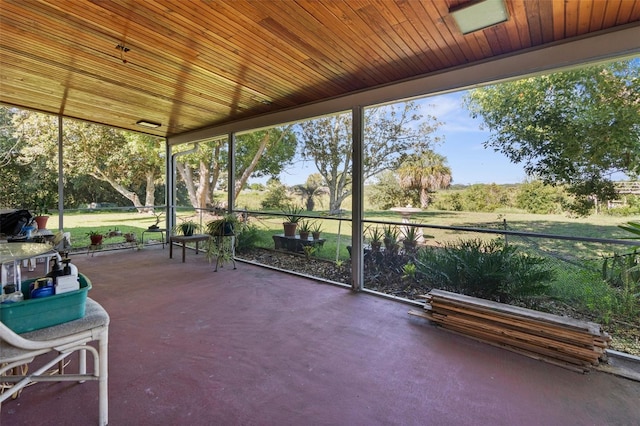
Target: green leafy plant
pixel 187 227
pixel 486 269
pixel 292 213
pixel 409 270
pixel 412 233
pixel 309 251
pixel 304 226
pixel 374 234
pixel 633 228
pixel 316 227
pixel 225 225
pixel 390 237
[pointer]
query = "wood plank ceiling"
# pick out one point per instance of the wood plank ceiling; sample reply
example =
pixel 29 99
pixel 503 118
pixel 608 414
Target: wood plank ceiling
pixel 192 64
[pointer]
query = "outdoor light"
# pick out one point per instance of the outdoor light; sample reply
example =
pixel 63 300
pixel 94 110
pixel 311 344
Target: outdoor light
pixel 479 14
pixel 148 124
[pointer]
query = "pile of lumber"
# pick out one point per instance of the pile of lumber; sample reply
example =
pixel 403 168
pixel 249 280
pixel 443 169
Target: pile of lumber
pixel 567 342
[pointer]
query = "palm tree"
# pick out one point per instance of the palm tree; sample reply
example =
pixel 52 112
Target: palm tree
pixel 311 189
pixel 427 172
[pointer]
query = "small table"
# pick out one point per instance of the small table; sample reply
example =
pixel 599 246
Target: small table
pixel 295 243
pixel 184 239
pixel 160 230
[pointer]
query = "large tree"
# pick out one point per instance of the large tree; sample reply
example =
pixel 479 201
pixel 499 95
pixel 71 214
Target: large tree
pixel 426 171
pixel 576 127
pixel 390 133
pixel 261 153
pixel 128 162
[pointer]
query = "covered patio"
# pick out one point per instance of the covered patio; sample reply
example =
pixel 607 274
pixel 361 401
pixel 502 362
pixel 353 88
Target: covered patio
pixel 254 346
pixel 261 347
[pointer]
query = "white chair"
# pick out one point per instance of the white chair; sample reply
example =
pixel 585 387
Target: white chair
pixel 17 350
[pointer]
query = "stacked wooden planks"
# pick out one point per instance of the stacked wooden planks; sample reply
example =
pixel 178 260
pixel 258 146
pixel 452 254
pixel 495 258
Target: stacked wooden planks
pixel 567 342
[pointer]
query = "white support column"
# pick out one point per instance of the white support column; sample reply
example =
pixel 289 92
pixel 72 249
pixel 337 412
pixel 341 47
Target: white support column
pixel 170 188
pixel 357 258
pixel 231 178
pixel 60 176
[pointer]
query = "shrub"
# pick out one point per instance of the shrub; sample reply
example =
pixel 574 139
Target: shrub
pixel 486 269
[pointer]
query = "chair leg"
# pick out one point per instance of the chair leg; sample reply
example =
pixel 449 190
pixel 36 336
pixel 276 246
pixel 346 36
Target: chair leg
pixel 82 363
pixel 103 370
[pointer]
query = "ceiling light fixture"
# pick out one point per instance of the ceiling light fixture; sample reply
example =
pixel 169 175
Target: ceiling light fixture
pixel 480 14
pixel 149 124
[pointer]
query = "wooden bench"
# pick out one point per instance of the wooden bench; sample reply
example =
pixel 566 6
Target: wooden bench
pixel 184 239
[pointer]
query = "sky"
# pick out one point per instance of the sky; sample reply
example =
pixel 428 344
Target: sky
pixel 463 146
pixel 469 161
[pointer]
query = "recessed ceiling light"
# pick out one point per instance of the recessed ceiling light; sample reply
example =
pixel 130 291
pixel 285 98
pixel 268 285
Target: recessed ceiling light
pixel 480 14
pixel 149 124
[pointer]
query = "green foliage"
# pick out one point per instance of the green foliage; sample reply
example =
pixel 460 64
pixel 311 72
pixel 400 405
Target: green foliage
pixel 247 237
pixel 575 127
pixel 424 171
pixel 276 195
pixel 374 233
pixel 633 228
pixel 387 193
pixel 391 131
pixel 309 251
pixel 584 289
pixel 485 269
pixel 187 227
pixel 311 190
pixel 623 273
pixel 409 270
pixel 292 213
pixel 539 198
pixel 304 226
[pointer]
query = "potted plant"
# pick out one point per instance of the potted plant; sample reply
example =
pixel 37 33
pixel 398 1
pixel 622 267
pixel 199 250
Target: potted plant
pixel 390 238
pixel 292 217
pixel 224 226
pixel 115 233
pixel 130 237
pixel 95 237
pixel 186 228
pixel 156 225
pixel 375 238
pixel 316 229
pixel 41 213
pixel 411 235
pixel 304 229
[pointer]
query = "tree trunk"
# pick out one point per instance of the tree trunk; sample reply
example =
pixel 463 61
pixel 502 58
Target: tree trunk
pixel 125 192
pixel 150 195
pixel 424 198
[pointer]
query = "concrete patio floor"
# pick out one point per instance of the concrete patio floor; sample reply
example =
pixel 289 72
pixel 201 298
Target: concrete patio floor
pixel 254 346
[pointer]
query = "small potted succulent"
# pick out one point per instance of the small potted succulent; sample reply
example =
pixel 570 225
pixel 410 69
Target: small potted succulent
pixel 316 229
pixel 292 218
pixel 375 238
pixel 304 229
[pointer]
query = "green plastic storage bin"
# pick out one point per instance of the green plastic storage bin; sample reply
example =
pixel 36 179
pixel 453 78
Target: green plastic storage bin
pixel 34 314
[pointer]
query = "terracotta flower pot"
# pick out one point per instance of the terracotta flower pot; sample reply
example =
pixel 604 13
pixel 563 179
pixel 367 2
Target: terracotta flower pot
pixel 96 240
pixel 290 229
pixel 41 221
